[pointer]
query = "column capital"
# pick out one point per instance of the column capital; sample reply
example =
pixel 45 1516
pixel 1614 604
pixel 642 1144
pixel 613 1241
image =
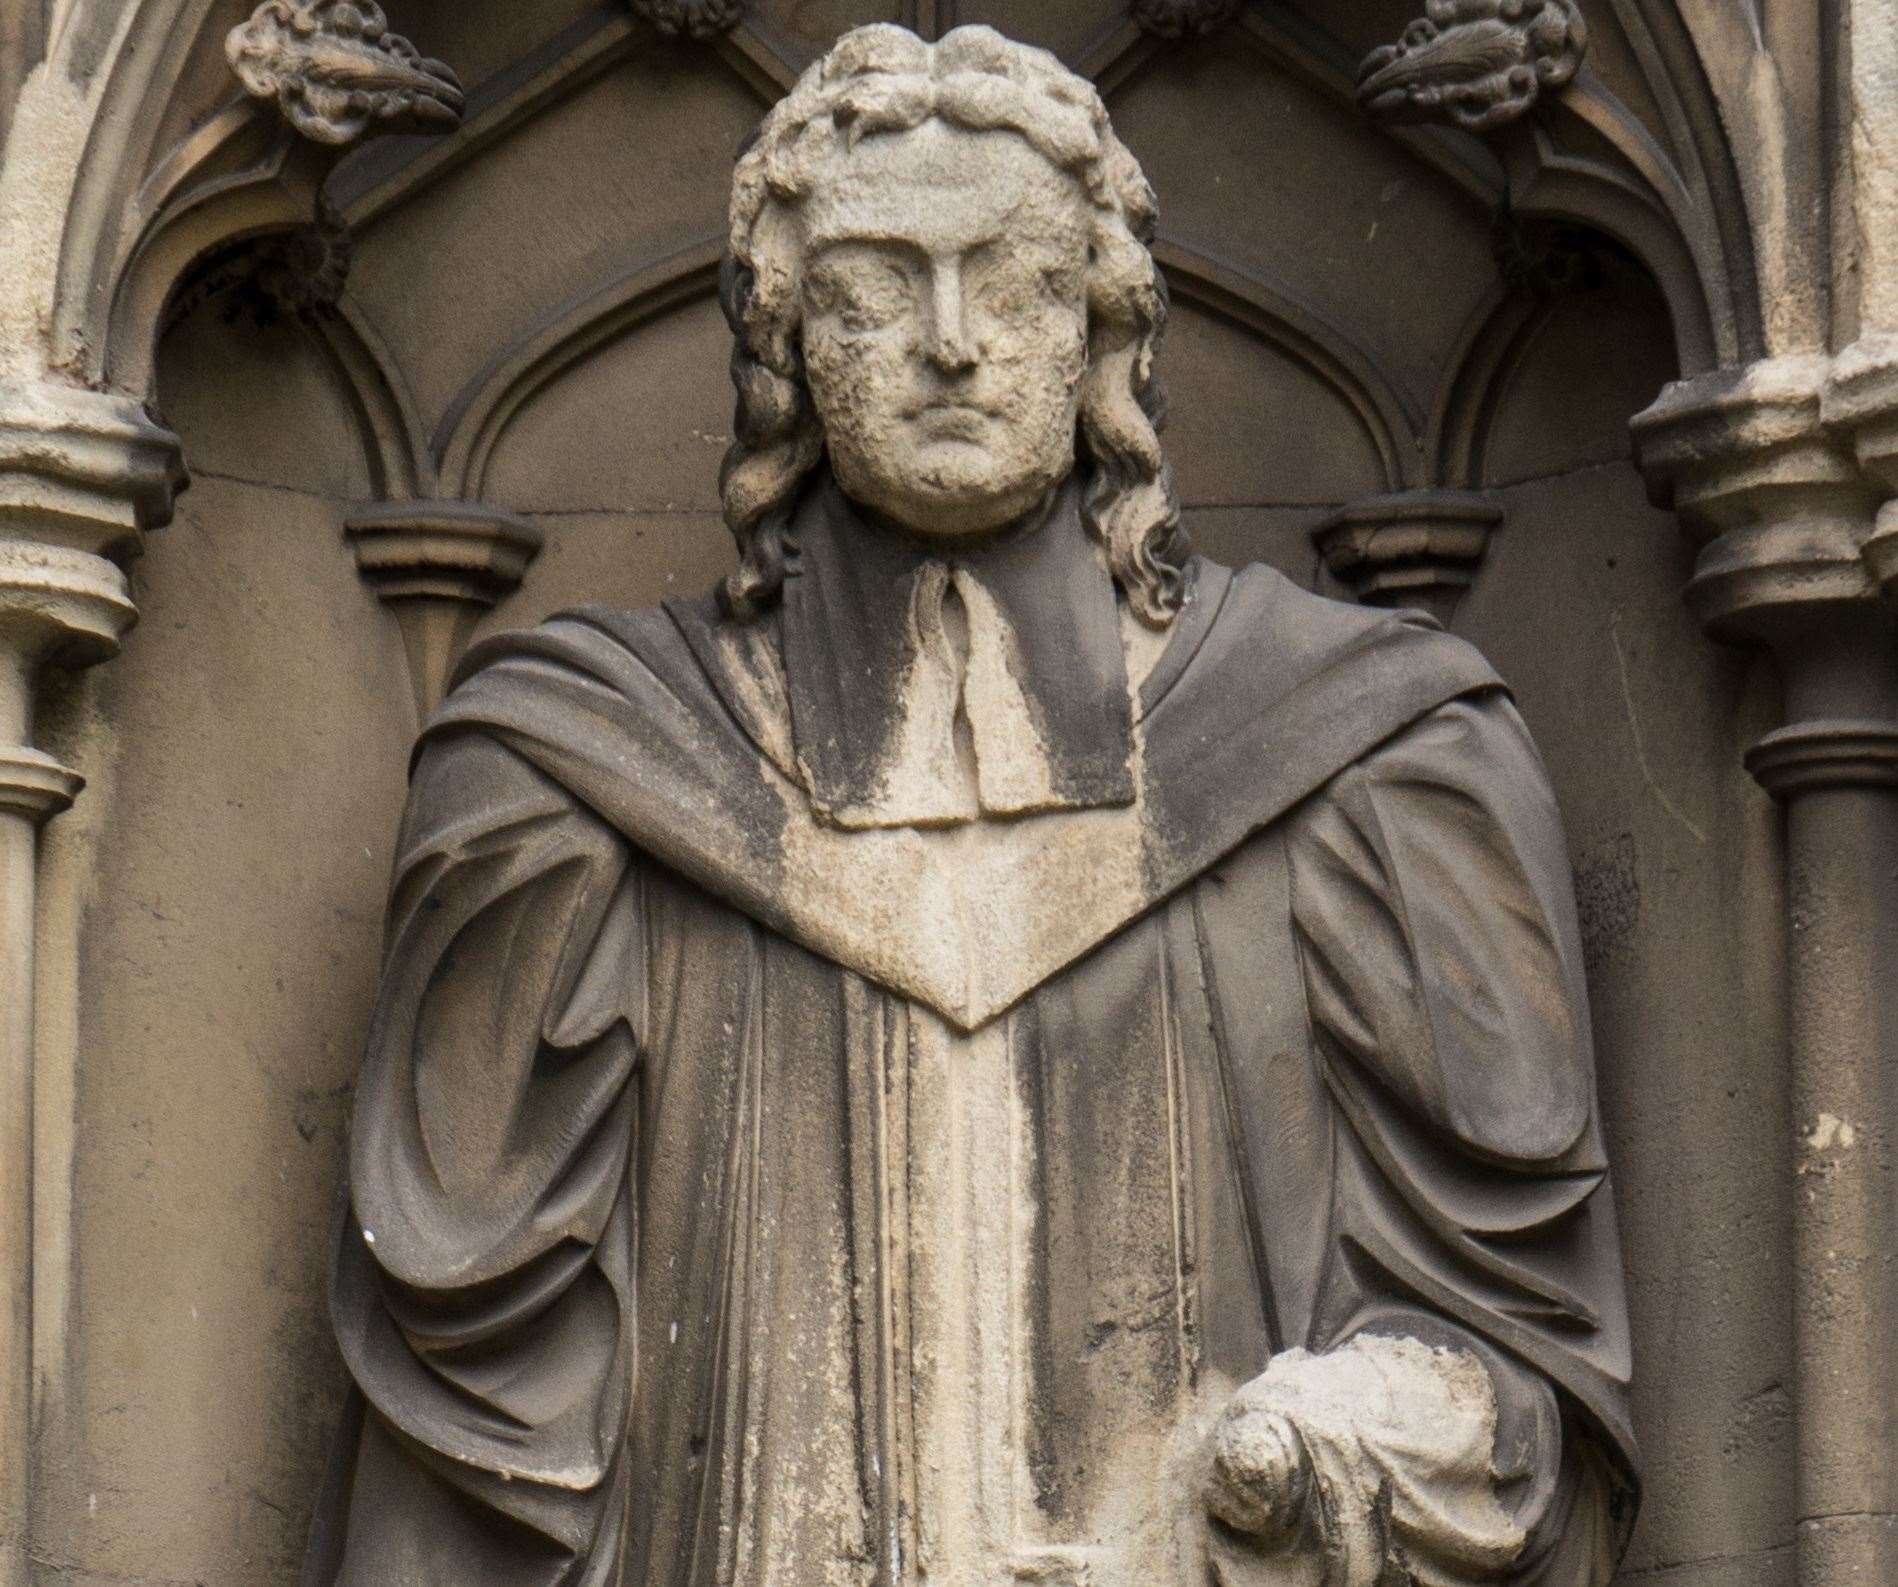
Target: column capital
pixel 83 475
pixel 58 604
pixel 84 469
pixel 1780 505
pixel 1409 548
pixel 1861 388
pixel 34 785
pixel 1826 753
pixel 439 565
pixel 1861 405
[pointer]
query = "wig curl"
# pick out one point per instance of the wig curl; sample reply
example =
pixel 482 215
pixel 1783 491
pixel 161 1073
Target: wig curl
pixel 884 79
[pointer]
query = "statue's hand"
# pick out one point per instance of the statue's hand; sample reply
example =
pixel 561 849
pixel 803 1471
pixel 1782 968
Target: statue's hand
pixel 1261 1478
pixel 1339 1466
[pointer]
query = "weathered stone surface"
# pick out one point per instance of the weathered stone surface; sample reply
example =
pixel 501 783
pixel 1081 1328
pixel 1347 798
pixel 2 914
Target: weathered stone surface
pixel 335 69
pixel 528 333
pixel 970 781
pixel 1476 63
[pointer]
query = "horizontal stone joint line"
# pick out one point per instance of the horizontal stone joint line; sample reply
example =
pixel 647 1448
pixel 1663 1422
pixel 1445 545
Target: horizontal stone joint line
pixel 76 1567
pixel 1769 1552
pixel 1848 1515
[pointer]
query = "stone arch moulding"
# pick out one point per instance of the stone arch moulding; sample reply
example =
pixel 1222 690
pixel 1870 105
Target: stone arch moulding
pixel 141 216
pixel 466 437
pixel 1246 299
pixel 1456 433
pixel 395 443
pixel 1670 192
pixel 430 544
pixel 1633 192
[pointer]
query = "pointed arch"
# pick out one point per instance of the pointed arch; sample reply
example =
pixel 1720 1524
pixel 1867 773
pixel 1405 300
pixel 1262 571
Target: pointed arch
pixel 465 438
pixel 1270 312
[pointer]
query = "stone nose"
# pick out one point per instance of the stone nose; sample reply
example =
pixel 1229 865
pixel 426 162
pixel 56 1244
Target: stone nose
pixel 946 340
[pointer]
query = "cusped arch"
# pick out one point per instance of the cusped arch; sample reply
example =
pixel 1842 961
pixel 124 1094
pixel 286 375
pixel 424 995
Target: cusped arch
pixel 466 437
pixel 394 439
pixel 1249 300
pixel 1504 330
pixel 256 179
pixel 1492 340
pixel 1680 49
pixel 1651 209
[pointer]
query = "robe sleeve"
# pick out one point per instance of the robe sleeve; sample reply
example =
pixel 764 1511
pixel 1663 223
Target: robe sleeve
pixel 482 1292
pixel 1433 914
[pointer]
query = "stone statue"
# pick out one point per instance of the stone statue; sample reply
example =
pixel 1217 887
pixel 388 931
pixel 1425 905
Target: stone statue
pixel 993 1049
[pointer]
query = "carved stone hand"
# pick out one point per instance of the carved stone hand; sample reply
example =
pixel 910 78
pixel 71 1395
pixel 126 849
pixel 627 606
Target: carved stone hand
pixel 1335 1467
pixel 1261 1479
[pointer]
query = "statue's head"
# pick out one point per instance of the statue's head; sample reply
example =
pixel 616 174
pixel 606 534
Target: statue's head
pixel 938 275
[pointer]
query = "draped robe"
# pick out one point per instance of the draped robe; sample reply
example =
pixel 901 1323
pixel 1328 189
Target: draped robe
pixel 749 1187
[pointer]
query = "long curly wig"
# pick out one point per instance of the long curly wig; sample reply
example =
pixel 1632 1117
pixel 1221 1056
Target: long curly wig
pixel 884 79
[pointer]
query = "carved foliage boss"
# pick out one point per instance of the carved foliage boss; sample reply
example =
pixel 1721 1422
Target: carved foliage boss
pixel 696 19
pixel 1174 19
pixel 1477 63
pixel 335 69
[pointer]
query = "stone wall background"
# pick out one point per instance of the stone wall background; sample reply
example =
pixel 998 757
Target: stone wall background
pixel 230 857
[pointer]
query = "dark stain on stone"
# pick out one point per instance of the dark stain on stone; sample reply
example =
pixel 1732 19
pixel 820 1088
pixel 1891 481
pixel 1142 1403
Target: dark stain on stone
pixel 1608 900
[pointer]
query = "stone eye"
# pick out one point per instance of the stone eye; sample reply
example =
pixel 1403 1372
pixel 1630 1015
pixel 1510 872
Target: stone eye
pixel 864 290
pixel 1062 282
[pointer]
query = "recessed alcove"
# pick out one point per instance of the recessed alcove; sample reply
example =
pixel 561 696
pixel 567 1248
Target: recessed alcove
pixel 536 331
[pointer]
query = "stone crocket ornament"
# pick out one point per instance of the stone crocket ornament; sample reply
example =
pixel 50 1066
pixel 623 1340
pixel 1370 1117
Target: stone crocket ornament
pixel 990 1048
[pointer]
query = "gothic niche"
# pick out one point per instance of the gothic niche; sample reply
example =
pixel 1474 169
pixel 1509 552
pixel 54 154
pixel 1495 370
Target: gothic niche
pixel 990 1046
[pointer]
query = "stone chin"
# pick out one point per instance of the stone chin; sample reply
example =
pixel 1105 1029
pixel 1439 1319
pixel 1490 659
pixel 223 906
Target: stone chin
pixel 948 489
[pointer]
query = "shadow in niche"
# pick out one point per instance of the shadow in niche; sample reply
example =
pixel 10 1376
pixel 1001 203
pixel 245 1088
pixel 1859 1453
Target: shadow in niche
pixel 1578 341
pixel 245 801
pixel 1641 721
pixel 241 376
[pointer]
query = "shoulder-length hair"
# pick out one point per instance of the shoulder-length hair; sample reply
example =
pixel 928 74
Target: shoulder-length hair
pixel 881 79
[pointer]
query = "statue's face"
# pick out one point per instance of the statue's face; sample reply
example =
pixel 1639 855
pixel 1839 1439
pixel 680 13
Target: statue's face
pixel 945 325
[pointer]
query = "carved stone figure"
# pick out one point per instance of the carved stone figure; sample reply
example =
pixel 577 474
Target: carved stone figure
pixel 992 1049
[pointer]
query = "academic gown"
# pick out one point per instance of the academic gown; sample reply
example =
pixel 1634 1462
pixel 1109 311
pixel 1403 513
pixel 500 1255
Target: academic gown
pixel 767 1169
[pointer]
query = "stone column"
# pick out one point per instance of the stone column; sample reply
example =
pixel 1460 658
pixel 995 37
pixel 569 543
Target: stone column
pixel 82 476
pixel 1861 402
pixel 1785 513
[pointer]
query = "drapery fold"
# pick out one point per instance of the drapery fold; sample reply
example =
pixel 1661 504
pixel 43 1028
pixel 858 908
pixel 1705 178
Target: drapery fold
pixel 607 1255
pixel 483 1292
